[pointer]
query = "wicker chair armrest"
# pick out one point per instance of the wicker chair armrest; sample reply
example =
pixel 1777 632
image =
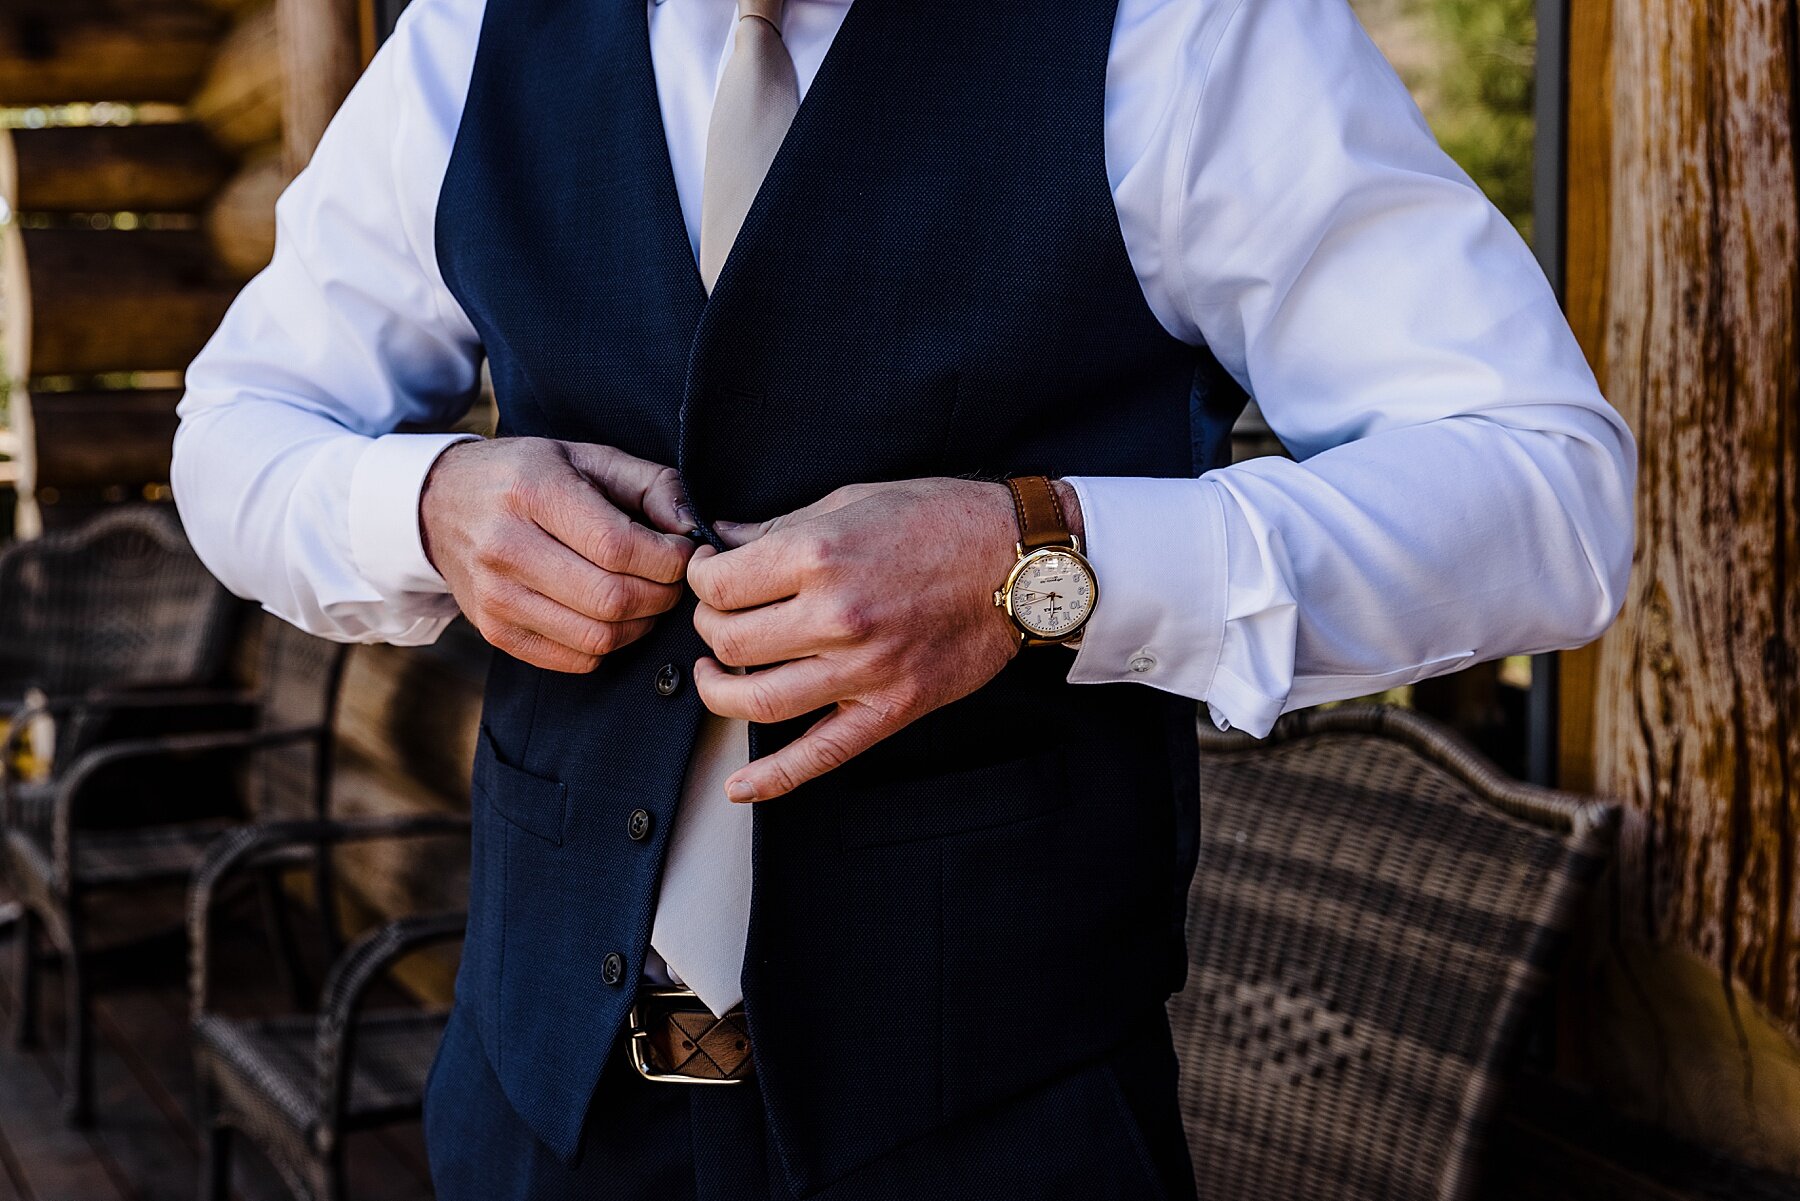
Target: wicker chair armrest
pixel 359 967
pixel 1588 820
pixel 250 846
pixel 153 695
pixel 73 783
pixel 163 696
pixel 108 699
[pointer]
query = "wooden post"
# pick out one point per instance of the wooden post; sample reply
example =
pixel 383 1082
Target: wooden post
pixel 321 56
pixel 15 348
pixel 1684 274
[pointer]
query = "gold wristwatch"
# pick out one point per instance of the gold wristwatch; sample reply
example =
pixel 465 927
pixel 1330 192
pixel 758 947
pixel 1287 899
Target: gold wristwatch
pixel 1051 591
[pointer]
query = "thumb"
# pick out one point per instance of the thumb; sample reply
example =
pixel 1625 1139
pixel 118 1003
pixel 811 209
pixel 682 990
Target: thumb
pixel 735 533
pixel 742 533
pixel 841 735
pixel 635 485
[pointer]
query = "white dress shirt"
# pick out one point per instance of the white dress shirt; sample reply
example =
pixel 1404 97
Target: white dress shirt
pixel 1460 491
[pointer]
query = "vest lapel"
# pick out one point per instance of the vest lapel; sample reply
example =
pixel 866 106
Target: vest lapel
pixel 627 52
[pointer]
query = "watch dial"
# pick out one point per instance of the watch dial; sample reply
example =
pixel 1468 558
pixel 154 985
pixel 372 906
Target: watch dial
pixel 1052 595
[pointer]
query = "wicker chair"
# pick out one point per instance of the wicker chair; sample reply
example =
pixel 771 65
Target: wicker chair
pixel 297 1084
pixel 1375 913
pixel 85 831
pixel 120 600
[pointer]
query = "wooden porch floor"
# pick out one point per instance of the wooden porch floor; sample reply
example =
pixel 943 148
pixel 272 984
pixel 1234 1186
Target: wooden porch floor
pixel 144 1145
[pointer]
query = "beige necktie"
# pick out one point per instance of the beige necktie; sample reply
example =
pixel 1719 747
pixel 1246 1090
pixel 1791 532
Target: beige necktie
pixel 757 98
pixel 703 908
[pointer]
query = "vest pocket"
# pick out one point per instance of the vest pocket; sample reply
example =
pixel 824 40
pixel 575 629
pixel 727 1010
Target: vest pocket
pixel 874 812
pixel 535 804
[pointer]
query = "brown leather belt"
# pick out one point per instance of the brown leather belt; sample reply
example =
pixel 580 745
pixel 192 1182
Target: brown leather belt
pixel 675 1039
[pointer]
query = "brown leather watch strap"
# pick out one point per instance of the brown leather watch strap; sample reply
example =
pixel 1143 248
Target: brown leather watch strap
pixel 1040 513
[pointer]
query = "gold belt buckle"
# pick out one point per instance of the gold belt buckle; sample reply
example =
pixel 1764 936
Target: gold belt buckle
pixel 638 1044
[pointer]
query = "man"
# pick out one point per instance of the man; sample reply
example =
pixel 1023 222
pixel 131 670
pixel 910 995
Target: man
pixel 928 321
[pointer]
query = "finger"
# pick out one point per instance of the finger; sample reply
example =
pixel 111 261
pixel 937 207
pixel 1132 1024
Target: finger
pixel 579 516
pixel 778 694
pixel 765 571
pixel 539 651
pixel 530 626
pixel 838 737
pixel 546 566
pixel 636 485
pixel 769 634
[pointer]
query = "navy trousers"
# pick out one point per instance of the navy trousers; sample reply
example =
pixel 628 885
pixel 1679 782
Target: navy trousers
pixel 1108 1132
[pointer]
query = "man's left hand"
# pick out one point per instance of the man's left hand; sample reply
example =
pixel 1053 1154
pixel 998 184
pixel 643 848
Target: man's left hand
pixel 876 601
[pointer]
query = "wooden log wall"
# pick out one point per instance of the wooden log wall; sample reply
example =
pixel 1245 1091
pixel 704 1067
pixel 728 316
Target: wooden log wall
pixel 128 243
pixel 1684 268
pixel 62 51
pixel 112 285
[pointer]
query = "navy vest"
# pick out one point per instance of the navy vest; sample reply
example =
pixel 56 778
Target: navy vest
pixel 931 282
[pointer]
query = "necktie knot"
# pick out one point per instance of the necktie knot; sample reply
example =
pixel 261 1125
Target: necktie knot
pixel 767 10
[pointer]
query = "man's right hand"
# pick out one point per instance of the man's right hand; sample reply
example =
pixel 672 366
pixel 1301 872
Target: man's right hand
pixel 542 546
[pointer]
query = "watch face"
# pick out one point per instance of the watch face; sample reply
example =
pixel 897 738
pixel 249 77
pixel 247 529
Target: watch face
pixel 1053 594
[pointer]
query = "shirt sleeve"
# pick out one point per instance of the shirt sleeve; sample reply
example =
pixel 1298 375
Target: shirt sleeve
pixel 1460 490
pixel 292 484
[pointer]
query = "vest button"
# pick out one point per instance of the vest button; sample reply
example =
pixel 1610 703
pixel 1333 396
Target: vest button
pixel 668 679
pixel 638 824
pixel 612 968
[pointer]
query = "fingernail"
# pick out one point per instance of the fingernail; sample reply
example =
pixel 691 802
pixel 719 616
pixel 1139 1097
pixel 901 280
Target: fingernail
pixel 685 513
pixel 741 790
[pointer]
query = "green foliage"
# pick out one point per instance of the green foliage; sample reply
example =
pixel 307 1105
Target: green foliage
pixel 1484 89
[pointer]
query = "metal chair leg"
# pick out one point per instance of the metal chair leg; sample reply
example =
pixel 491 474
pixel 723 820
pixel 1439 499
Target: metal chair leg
pixel 78 1098
pixel 215 1165
pixel 25 953
pixel 329 1182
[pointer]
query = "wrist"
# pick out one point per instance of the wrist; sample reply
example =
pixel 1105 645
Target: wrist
pixel 432 491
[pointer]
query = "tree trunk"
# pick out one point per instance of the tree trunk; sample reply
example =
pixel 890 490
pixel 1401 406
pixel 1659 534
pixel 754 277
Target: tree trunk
pixel 1699 727
pixel 1695 696
pixel 109 300
pixel 102 168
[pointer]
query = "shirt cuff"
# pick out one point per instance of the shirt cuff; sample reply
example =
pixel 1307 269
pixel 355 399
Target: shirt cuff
pixel 385 487
pixel 1158 551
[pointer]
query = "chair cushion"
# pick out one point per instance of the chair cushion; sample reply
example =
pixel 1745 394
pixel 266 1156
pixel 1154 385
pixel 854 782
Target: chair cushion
pixel 274 1062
